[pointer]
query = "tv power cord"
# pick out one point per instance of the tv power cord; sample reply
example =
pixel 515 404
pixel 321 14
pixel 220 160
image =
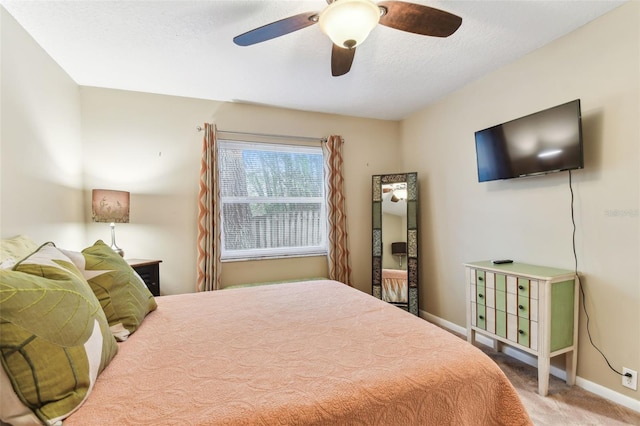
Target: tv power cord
pixel 584 306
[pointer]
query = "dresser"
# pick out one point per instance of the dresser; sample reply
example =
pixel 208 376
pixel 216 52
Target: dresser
pixel 531 308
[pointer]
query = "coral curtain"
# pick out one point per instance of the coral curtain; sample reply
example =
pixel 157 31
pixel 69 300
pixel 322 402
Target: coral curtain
pixel 338 257
pixel 209 265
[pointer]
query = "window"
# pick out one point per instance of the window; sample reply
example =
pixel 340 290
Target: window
pixel 272 200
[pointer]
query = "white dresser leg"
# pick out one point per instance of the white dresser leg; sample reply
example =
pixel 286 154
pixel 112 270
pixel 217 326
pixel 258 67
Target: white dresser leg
pixel 497 345
pixel 571 362
pixel 543 374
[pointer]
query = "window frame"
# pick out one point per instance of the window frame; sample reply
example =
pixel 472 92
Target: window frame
pixel 279 252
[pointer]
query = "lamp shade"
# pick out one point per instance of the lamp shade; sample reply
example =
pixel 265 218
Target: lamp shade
pixel 349 22
pixel 399 248
pixel 110 206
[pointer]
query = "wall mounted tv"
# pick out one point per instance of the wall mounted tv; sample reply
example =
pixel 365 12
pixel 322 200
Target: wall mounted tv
pixel 543 142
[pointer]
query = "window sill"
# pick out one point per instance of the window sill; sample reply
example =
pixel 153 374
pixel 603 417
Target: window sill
pixel 280 256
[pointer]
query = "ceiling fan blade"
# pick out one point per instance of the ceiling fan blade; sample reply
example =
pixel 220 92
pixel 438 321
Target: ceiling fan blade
pixel 341 60
pixel 419 19
pixel 276 29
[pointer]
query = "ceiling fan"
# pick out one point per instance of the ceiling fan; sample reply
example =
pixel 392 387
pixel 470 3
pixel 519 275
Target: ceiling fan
pixel 349 22
pixel 398 192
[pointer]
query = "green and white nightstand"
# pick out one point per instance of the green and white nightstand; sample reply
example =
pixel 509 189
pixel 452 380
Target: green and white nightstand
pixel 532 308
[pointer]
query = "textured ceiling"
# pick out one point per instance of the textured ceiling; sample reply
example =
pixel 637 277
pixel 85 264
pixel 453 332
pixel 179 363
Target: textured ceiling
pixel 185 48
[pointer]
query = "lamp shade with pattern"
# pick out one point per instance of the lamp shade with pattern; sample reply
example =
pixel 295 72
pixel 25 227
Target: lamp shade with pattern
pixel 399 249
pixel 112 207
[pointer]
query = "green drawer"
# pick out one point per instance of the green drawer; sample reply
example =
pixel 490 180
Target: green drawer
pixel 481 296
pixel 480 287
pixel 481 319
pixel 523 332
pixel 501 300
pixel 501 282
pixel 501 323
pixel 523 287
pixel 523 307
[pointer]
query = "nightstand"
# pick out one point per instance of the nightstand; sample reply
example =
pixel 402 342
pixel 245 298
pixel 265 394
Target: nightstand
pixel 149 271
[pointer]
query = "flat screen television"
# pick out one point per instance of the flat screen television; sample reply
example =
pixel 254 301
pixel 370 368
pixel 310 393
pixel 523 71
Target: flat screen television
pixel 543 142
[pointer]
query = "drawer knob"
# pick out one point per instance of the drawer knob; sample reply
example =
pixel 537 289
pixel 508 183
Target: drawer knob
pixel 521 307
pixel 480 295
pixel 521 287
pixel 480 279
pixel 520 332
pixel 481 317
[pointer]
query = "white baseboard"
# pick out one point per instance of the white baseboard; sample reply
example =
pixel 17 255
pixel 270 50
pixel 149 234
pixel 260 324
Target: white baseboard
pixel 590 386
pixel 609 394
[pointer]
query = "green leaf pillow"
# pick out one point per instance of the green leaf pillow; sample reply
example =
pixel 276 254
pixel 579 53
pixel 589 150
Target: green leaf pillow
pixel 123 295
pixel 54 338
pixel 14 249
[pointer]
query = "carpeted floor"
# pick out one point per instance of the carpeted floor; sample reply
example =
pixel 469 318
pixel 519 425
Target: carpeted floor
pixel 565 405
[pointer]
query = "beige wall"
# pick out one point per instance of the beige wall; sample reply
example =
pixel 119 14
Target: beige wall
pixel 148 145
pixel 529 219
pixel 40 145
pixel 60 141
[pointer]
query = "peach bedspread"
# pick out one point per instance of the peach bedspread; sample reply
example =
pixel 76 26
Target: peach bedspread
pixel 394 285
pixel 308 353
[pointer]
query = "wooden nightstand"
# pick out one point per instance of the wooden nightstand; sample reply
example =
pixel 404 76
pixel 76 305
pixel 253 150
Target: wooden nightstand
pixel 149 271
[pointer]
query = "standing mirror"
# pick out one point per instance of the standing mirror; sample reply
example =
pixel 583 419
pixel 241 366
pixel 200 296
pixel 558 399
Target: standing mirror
pixel 395 240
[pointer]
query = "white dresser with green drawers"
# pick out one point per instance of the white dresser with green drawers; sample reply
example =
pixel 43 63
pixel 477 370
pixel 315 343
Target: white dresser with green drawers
pixel 532 308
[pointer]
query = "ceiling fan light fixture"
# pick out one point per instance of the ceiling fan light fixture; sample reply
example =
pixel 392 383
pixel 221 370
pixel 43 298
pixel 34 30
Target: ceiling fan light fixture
pixel 401 194
pixel 348 22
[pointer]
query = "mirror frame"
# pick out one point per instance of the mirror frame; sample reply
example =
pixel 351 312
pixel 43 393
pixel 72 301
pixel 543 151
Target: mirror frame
pixel 412 236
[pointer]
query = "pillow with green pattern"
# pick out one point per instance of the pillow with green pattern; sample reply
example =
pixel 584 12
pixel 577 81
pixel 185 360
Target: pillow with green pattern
pixel 15 248
pixel 54 339
pixel 123 295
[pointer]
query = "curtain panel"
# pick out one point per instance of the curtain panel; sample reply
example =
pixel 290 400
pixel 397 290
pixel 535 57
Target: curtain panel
pixel 208 260
pixel 338 256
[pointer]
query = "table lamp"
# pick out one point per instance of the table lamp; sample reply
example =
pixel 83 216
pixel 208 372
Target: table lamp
pixel 399 249
pixel 111 207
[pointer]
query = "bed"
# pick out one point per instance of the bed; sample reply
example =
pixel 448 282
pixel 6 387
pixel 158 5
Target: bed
pixel 301 353
pixel 394 286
